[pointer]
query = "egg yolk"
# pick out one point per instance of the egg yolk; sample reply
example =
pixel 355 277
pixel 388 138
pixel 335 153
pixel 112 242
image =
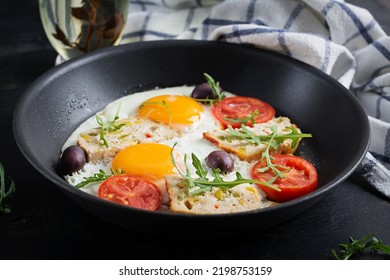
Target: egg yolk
pixel 171 109
pixel 149 160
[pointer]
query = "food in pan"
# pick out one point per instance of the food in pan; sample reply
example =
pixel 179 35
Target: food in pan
pixel 189 149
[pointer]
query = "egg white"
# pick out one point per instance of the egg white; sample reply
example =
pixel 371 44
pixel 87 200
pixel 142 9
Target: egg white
pixel 192 140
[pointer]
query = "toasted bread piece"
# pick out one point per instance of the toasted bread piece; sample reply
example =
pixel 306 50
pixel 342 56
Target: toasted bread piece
pixel 134 131
pixel 240 198
pixel 251 152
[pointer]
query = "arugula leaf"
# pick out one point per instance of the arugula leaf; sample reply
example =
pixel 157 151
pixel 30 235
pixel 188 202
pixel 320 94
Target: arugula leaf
pixel 5 194
pixel 200 171
pixel 95 178
pixel 369 242
pixel 214 86
pixel 272 140
pixel 244 120
pixel 277 138
pixel 269 165
pixel 203 184
pixel 107 127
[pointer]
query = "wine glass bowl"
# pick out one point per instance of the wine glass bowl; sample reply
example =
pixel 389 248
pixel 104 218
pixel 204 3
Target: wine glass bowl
pixel 76 27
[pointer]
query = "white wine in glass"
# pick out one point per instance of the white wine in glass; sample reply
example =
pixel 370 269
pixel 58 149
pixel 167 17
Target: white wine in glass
pixel 75 27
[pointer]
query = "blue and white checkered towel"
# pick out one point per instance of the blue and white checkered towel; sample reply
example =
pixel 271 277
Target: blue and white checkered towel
pixel 341 39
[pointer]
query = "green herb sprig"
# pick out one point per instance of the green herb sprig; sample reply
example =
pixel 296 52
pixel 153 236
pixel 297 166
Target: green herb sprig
pixel 214 86
pixel 4 193
pixel 244 120
pixel 276 168
pixel 108 126
pixel 277 138
pixel 95 178
pixel 203 184
pixel 354 247
pixel 272 140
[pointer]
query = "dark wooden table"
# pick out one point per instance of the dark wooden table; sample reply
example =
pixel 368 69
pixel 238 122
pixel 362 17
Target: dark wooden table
pixel 44 224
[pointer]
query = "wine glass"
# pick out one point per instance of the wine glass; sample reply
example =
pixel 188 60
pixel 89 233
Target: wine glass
pixel 76 27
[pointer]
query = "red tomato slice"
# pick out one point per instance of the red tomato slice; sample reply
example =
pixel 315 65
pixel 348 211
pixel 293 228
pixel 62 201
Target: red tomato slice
pixel 132 191
pixel 240 108
pixel 301 177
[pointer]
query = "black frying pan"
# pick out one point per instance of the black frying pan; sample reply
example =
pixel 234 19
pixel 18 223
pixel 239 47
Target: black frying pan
pixel 61 99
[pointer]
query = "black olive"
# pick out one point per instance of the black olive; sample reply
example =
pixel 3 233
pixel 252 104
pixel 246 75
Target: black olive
pixel 203 91
pixel 221 160
pixel 73 159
